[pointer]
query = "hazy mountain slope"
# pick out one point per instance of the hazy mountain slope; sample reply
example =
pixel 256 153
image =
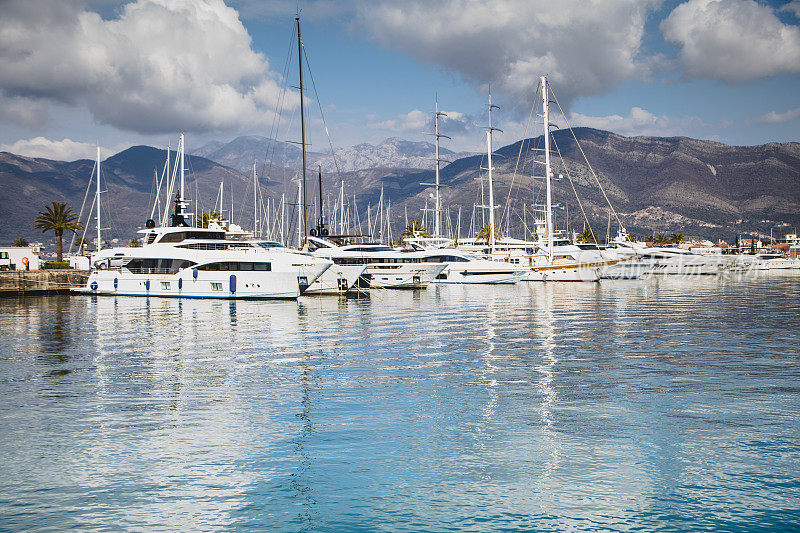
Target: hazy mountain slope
pixel 656 184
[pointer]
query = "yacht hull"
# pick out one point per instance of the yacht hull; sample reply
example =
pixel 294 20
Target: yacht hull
pixel 206 284
pixel 337 280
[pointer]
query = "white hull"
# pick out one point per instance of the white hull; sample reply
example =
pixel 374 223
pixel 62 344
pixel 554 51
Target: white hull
pixel 403 276
pixel 207 284
pixel 467 273
pixel 337 280
pixel 563 273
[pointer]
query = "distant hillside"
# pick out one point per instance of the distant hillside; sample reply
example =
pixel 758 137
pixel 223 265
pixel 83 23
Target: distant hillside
pixel 394 152
pixel 656 184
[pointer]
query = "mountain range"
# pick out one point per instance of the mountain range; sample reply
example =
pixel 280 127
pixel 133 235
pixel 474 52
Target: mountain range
pixel 394 152
pixel 655 184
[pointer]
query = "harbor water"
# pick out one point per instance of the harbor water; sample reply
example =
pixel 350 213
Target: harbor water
pixel 669 404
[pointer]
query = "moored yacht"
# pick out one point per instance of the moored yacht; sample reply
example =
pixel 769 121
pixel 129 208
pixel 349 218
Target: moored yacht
pixel 385 267
pixel 462 267
pixel 200 263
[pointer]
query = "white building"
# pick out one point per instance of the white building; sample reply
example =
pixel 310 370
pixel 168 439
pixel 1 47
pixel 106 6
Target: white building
pixel 20 257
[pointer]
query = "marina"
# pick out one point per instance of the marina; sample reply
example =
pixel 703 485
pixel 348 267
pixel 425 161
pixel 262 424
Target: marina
pixel 491 265
pixel 550 406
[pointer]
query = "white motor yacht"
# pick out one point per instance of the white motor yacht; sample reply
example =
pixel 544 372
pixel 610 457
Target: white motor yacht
pixel 385 267
pixel 182 261
pixel 465 268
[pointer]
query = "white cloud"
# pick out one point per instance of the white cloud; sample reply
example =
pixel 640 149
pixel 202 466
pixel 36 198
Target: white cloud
pixel 161 66
pixel 640 122
pixel 773 117
pixel 63 150
pixel 732 40
pixel 587 48
pixel 411 122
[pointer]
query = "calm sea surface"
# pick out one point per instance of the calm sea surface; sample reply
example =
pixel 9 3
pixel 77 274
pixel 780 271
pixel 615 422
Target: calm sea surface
pixel 663 404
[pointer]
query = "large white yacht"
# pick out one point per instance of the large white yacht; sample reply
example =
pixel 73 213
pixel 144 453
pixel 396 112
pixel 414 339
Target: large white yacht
pixel 337 280
pixel 386 268
pixel 182 261
pixel 666 261
pixel 462 267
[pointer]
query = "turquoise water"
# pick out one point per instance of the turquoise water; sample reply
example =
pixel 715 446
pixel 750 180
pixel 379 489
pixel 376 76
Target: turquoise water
pixel 662 404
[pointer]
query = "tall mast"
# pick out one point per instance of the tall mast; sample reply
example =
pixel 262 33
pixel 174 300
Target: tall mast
pixel 490 130
pixel 437 221
pixel 548 171
pixel 299 216
pixel 302 127
pixel 182 193
pixel 99 245
pixel 437 204
pixel 341 209
pixel 255 203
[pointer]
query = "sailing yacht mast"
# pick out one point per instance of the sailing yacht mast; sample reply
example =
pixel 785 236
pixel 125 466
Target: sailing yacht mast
pixel 99 245
pixel 302 127
pixel 548 171
pixel 490 130
pixel 255 203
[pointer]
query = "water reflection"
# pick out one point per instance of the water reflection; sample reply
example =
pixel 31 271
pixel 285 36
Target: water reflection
pixel 541 406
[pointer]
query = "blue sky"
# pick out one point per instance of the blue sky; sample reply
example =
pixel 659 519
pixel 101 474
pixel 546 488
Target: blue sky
pixel 74 73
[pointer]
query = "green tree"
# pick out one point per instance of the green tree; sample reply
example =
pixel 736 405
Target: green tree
pixel 414 229
pixel 659 239
pixel 677 238
pixel 485 231
pixel 206 217
pixel 587 235
pixel 81 243
pixel 57 218
pixel 19 242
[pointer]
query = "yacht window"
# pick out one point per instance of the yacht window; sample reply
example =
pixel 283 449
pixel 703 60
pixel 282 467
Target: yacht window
pixel 237 265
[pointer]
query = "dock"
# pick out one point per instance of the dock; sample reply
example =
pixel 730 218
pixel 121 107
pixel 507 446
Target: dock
pixel 30 282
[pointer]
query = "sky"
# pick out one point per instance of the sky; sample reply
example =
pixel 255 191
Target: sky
pixel 74 74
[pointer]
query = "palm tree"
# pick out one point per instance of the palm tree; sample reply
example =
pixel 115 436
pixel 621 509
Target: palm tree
pixel 81 244
pixel 19 242
pixel 588 235
pixel 57 218
pixel 415 229
pixel 677 238
pixel 484 232
pixel 660 238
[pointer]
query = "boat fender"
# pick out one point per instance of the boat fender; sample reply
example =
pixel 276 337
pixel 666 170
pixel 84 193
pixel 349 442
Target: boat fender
pixel 233 283
pixel 180 283
pixel 147 285
pixel 93 286
pixel 116 283
pixel 194 273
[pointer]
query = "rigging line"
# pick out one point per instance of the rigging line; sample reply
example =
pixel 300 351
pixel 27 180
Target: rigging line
pixel 276 118
pixel 519 155
pixel 569 176
pixel 83 204
pixel 319 105
pixel 587 161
